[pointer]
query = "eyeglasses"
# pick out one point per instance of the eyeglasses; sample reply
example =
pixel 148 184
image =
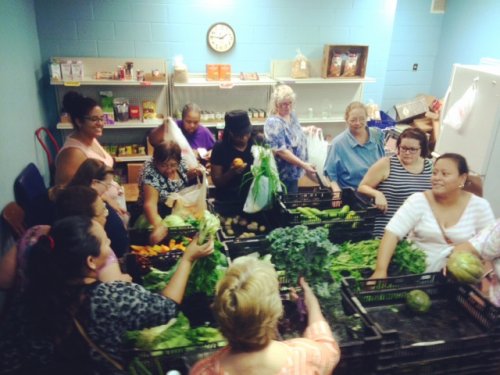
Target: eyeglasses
pixel 168 164
pixel 94 118
pixel 411 150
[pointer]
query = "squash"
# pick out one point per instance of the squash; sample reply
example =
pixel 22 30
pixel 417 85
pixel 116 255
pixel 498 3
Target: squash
pixel 465 267
pixel 418 301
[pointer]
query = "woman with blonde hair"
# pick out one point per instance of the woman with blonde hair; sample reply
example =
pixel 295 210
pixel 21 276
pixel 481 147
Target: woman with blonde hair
pixel 247 307
pixel 284 134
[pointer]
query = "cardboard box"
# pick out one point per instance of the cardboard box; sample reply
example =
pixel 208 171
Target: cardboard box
pixel 225 72
pixel 212 72
pixel 133 171
pixel 407 111
pixel 344 61
pixel 156 77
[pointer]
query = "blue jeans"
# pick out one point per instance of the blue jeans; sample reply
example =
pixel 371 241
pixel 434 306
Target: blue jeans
pixel 292 186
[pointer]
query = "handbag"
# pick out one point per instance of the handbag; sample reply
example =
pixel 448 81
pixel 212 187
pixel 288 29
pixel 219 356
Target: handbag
pixel 94 346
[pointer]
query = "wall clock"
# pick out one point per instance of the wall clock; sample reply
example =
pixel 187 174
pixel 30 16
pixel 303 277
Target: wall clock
pixel 221 37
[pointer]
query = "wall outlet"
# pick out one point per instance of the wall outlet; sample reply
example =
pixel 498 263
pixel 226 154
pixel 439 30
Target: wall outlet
pixel 415 67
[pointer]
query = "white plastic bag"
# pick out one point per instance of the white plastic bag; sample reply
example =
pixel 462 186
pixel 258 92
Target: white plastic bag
pixel 261 194
pixel 317 147
pixel 460 111
pixel 174 133
pixel 190 201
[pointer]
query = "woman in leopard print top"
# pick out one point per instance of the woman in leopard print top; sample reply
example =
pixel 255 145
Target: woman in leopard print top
pixel 39 335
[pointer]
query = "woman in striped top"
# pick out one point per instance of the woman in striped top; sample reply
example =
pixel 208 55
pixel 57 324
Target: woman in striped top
pixel 437 219
pixel 393 179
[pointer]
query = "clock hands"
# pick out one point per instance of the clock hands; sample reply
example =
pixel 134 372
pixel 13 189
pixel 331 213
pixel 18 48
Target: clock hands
pixel 220 37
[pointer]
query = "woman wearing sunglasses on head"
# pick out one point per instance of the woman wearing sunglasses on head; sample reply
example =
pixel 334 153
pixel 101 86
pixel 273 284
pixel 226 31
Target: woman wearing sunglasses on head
pixel 87 119
pixel 393 179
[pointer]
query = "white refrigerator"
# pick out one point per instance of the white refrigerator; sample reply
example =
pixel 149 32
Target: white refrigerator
pixel 478 136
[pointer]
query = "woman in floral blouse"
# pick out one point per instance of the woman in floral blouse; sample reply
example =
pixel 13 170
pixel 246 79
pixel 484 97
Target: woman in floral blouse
pixel 164 174
pixel 286 137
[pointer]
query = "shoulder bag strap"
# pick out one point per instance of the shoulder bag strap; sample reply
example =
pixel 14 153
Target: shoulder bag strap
pixel 446 238
pixel 89 341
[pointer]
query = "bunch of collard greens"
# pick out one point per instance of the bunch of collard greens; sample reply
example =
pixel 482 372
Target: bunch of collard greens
pixel 301 251
pixel 176 333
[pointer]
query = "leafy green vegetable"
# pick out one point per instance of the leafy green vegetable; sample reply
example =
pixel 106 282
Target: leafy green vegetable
pixel 356 257
pixel 266 167
pixel 173 221
pixel 408 258
pixel 209 225
pixel 147 338
pixel 142 223
pixel 176 333
pixel 207 272
pixel 301 251
pixel 156 280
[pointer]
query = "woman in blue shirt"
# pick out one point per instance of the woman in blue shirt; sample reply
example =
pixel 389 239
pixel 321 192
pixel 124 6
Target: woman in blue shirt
pixel 286 137
pixel 353 151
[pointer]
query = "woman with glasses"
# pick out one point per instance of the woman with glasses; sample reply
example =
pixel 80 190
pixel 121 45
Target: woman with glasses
pixel 164 174
pixel 97 175
pixel 88 123
pixel 353 151
pixel 437 219
pixel 287 139
pixel 393 179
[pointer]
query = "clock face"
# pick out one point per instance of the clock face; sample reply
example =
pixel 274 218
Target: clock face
pixel 221 37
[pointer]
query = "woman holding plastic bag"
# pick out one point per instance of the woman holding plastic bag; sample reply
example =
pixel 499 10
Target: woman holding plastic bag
pixel 287 139
pixel 231 160
pixel 166 173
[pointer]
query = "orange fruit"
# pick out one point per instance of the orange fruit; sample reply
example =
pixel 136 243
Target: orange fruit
pixel 238 162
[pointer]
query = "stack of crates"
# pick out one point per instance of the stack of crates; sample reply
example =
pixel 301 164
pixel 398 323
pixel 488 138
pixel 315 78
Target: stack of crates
pixel 460 334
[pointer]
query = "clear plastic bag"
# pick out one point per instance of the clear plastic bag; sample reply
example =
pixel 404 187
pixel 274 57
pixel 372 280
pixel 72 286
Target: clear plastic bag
pixel 317 147
pixel 300 66
pixel 351 65
pixel 336 65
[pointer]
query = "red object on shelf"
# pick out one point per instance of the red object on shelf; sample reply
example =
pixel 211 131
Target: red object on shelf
pixel 134 112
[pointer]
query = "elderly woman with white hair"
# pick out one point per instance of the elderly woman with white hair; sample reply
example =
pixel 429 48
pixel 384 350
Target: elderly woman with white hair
pixel 287 139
